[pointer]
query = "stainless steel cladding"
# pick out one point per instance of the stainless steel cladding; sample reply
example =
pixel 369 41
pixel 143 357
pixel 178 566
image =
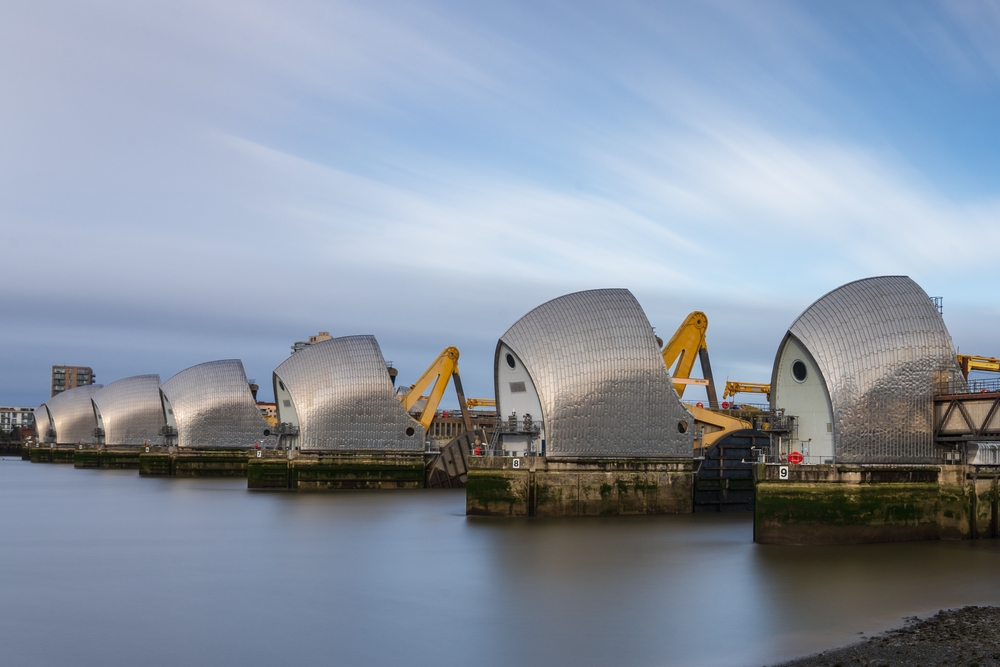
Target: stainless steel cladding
pixel 881 346
pixel 213 407
pixel 43 424
pixel 130 411
pixel 343 398
pixel 601 381
pixel 72 414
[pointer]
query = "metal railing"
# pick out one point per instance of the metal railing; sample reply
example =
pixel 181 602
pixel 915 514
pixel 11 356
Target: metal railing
pixel 975 386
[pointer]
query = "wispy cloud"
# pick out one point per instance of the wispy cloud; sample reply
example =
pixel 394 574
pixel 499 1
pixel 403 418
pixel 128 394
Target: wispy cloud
pixel 354 166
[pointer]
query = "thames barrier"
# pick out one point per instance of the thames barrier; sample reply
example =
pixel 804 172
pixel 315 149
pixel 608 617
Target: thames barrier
pixel 872 431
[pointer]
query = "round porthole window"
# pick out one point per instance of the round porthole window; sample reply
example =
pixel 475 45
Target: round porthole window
pixel 799 370
pixel 510 360
pixel 682 427
pixel 409 430
pixel 267 432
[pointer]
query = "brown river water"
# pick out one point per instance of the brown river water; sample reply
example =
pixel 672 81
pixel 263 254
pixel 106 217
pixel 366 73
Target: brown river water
pixel 106 568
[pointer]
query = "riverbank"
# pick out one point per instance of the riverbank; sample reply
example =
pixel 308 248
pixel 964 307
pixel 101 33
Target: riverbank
pixel 966 636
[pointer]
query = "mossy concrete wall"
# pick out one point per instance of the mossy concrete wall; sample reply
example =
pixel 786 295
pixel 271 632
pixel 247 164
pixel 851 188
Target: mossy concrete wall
pixel 837 504
pixel 51 454
pixel 99 456
pixel 578 487
pixel 177 462
pixel 326 471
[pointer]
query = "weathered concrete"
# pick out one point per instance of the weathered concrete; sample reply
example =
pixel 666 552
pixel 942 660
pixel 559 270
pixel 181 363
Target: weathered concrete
pixel 324 471
pixel 177 462
pixel 114 458
pixel 578 487
pixel 851 504
pixel 51 453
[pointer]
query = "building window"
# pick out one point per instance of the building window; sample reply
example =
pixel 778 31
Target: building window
pixel 517 387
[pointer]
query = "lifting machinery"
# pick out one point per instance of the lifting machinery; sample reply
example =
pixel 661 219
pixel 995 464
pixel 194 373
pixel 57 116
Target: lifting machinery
pixel 970 362
pixel 450 466
pixel 680 351
pixel 688 342
pixel 733 388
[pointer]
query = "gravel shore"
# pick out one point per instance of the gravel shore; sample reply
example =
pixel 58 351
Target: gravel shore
pixel 969 637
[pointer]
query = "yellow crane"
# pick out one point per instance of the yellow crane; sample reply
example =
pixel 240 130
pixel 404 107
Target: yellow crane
pixel 679 354
pixel 970 362
pixel 687 343
pixel 480 402
pixel 437 375
pixel 733 388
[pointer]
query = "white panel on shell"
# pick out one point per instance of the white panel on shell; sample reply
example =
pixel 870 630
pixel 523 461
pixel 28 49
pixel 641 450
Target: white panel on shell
pixel 799 388
pixel 516 395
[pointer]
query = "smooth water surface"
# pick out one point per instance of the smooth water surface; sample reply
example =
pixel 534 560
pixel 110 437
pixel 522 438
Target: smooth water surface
pixel 107 568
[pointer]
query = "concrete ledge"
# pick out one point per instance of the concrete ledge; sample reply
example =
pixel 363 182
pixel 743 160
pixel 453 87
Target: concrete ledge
pixel 830 504
pixel 178 462
pixel 578 487
pixel 327 471
pixel 113 458
pixel 51 454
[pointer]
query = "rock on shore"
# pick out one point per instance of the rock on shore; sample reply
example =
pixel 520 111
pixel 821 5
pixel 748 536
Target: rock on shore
pixel 967 637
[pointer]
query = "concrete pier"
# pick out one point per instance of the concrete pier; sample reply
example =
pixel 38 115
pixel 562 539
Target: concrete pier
pixel 51 453
pixel 112 458
pixel 323 471
pixel 177 462
pixel 851 504
pixel 536 486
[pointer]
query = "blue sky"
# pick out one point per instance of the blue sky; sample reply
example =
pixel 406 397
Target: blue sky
pixel 188 181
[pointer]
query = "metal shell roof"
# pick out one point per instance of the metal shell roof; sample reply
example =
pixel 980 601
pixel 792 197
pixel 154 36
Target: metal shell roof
pixel 213 407
pixel 881 345
pixel 42 422
pixel 72 414
pixel 131 411
pixel 602 383
pixel 344 398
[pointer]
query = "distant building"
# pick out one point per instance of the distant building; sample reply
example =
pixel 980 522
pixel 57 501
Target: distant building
pixel 68 377
pixel 16 418
pixel 322 335
pixel 269 411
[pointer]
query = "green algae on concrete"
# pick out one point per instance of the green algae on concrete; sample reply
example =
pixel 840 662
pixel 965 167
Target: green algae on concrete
pixel 101 456
pixel 52 454
pixel 578 487
pixel 175 462
pixel 328 471
pixel 323 471
pixel 830 504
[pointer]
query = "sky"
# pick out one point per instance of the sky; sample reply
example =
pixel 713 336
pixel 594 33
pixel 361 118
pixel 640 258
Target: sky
pixel 195 180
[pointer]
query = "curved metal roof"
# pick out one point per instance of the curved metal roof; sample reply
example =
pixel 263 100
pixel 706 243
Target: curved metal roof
pixel 881 346
pixel 213 407
pixel 131 411
pixel 72 414
pixel 600 378
pixel 42 423
pixel 344 398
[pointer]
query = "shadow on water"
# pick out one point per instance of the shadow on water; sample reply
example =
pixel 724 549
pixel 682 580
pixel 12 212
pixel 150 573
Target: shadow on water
pixel 105 568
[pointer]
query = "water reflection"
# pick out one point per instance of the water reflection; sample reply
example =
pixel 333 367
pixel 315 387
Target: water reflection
pixel 105 568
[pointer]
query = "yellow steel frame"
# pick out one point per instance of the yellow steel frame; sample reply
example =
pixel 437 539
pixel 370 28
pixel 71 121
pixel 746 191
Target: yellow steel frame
pixel 480 402
pixel 733 388
pixel 683 347
pixel 970 362
pixel 439 373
